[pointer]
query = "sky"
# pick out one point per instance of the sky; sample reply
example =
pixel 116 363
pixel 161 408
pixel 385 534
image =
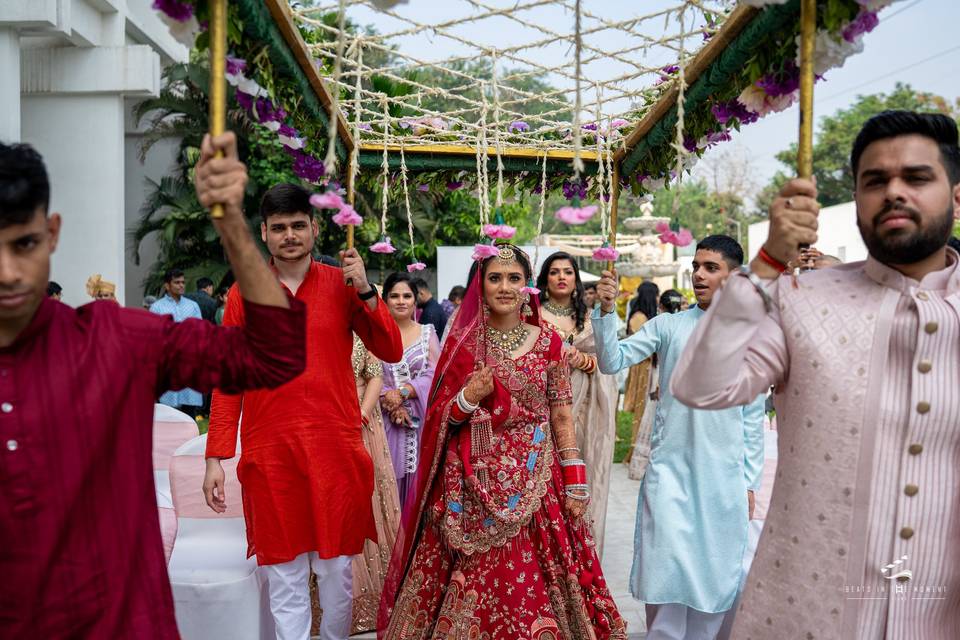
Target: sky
pixel 915 43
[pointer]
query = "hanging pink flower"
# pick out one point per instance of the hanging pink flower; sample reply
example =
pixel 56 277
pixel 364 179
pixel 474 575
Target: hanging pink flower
pixel 680 238
pixel 684 237
pixel 531 290
pixel 327 200
pixel 575 215
pixel 347 215
pixel 499 231
pixel 383 246
pixel 605 253
pixel 484 251
pixel 416 266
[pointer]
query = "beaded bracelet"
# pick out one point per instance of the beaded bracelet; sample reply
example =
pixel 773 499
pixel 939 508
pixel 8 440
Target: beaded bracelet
pixel 573 462
pixel 577 449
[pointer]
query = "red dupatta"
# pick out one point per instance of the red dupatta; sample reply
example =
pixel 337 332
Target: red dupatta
pixel 464 351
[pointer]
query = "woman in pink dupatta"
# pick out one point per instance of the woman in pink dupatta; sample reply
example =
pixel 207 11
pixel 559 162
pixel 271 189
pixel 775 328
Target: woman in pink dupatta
pixel 493 546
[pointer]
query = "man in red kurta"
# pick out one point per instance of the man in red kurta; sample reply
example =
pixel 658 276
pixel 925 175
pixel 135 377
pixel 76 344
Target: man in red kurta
pixel 306 478
pixel 80 548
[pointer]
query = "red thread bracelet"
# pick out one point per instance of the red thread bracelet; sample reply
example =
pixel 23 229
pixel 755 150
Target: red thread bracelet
pixel 770 260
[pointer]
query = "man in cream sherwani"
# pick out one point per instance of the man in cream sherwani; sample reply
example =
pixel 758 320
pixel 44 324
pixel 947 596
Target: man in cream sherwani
pixel 865 358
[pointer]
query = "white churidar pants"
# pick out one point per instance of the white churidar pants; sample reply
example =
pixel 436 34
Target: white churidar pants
pixel 290 596
pixel 680 622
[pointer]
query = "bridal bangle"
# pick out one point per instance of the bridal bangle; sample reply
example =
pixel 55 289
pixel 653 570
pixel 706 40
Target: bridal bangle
pixel 461 409
pixel 574 473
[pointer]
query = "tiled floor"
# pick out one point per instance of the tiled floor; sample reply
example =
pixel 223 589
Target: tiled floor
pixel 618 551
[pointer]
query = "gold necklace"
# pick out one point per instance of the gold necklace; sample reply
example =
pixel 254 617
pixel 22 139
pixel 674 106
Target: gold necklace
pixel 557 310
pixel 510 340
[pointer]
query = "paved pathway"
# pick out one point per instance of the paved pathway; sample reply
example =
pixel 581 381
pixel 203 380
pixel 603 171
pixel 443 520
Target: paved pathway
pixel 618 551
pixel 618 548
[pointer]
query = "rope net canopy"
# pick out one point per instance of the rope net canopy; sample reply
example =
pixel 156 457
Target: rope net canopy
pixel 557 76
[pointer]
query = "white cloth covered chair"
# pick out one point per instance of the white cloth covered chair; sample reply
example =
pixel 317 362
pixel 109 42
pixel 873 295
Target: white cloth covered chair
pixel 171 428
pixel 218 592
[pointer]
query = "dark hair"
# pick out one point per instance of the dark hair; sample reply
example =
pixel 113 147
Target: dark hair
pixel 457 292
pixel 890 124
pixel 396 278
pixel 329 260
pixel 472 273
pixel 954 242
pixel 589 285
pixel 671 300
pixel 579 306
pixel 53 289
pixel 645 301
pixel 421 284
pixel 222 291
pixel 171 274
pixel 24 186
pixel 285 198
pixel 726 246
pixel 203 282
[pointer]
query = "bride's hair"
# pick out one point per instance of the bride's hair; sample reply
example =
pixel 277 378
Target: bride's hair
pixel 519 255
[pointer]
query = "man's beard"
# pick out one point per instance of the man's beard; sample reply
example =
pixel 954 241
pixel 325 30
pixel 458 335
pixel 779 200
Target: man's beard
pixel 897 247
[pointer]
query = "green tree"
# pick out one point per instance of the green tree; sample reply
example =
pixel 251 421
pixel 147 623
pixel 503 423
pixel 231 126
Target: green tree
pixel 692 204
pixel 186 238
pixel 835 136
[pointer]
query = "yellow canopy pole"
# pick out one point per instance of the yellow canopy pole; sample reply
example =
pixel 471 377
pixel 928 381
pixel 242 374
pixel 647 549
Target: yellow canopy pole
pixel 218 85
pixel 351 198
pixel 808 32
pixel 614 202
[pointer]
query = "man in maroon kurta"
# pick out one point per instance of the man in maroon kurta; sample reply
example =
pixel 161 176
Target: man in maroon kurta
pixel 306 477
pixel 80 548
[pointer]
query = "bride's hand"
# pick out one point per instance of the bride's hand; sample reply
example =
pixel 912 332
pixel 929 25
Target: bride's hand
pixel 574 508
pixel 479 385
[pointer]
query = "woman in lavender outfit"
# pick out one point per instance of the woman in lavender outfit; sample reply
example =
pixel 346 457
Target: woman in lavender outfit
pixel 406 384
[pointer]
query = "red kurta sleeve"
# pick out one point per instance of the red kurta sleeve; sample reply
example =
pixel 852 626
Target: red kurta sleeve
pixel 266 353
pixel 225 407
pixel 377 328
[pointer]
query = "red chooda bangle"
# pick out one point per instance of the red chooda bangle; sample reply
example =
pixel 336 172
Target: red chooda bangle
pixel 457 414
pixel 574 474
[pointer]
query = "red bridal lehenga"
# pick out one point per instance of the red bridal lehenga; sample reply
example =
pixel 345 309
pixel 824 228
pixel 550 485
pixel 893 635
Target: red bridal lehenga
pixel 489 553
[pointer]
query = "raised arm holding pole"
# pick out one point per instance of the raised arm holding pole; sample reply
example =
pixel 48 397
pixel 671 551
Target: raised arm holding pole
pixel 793 214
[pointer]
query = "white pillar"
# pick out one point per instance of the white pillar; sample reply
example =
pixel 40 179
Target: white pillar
pixel 9 85
pixel 82 142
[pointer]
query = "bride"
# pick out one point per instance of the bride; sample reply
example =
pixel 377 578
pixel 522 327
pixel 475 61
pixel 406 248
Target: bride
pixel 494 546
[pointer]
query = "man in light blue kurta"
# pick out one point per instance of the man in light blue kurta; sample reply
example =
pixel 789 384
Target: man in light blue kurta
pixel 692 514
pixel 175 304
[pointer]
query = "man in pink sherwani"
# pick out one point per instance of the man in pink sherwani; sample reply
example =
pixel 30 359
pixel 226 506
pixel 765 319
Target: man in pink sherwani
pixel 862 539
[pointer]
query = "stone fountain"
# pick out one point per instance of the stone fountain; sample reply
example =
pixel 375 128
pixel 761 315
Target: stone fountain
pixel 650 258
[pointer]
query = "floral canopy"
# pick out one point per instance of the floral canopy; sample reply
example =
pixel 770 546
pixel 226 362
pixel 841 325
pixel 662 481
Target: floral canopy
pixel 542 94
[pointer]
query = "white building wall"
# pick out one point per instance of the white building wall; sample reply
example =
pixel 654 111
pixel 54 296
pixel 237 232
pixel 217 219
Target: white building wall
pixel 837 233
pixel 66 69
pixel 81 140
